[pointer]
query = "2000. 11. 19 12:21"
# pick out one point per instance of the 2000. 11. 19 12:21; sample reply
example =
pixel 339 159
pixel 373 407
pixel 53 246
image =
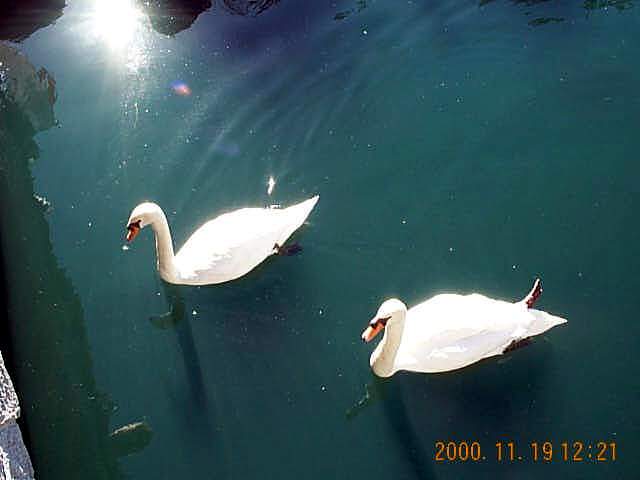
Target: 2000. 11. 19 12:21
pixel 576 451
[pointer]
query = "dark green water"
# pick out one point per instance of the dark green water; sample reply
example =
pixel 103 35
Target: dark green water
pixel 455 146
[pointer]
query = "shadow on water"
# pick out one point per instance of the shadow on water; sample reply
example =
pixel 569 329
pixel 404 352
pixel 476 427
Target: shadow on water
pixel 236 323
pixel 177 320
pixel 402 423
pixel 494 399
pixel 66 415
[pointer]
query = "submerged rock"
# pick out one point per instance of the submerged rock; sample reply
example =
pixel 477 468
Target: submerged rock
pixel 131 438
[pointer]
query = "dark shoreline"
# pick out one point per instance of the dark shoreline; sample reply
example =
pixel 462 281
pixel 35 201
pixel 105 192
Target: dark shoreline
pixel 7 348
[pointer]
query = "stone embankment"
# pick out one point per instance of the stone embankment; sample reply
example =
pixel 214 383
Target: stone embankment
pixel 14 459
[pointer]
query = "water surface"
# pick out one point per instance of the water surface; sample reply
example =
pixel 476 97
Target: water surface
pixel 456 146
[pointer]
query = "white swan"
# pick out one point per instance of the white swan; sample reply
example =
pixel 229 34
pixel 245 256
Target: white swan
pixel 451 331
pixel 224 248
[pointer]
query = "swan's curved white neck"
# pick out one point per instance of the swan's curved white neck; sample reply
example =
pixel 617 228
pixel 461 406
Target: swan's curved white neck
pixel 164 246
pixel 383 357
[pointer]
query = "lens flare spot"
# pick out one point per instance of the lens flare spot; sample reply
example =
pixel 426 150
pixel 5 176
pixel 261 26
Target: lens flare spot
pixel 181 88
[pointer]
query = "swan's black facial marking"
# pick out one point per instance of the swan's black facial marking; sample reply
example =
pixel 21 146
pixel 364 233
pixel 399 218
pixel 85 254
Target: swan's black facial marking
pixel 134 225
pixel 380 321
pixel 376 325
pixel 132 230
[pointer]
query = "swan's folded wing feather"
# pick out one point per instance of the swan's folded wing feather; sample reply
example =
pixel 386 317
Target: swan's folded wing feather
pixel 230 245
pixel 451 331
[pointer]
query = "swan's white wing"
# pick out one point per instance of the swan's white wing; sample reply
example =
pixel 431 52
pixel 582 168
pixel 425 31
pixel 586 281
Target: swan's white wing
pixel 234 243
pixel 230 245
pixel 450 331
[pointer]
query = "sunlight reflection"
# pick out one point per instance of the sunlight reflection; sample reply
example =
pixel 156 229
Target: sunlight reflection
pixel 116 21
pixel 123 28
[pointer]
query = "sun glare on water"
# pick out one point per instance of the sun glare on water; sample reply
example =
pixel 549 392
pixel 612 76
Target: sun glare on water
pixel 117 22
pixel 123 29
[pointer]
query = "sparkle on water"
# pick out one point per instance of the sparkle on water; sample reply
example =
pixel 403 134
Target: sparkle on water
pixel 271 183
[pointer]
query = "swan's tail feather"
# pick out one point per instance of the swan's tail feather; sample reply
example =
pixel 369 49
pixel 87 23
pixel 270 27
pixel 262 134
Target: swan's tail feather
pixel 543 321
pixel 303 209
pixel 296 215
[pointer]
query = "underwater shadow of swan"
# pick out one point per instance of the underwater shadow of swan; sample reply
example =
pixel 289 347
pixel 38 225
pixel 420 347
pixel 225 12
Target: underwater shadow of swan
pixel 201 414
pixel 492 395
pixel 387 391
pixel 228 308
pixel 249 307
pixel 176 320
pixel 485 402
pixel 397 413
pixel 471 403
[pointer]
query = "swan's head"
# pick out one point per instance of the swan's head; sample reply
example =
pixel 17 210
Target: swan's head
pixel 390 312
pixel 141 216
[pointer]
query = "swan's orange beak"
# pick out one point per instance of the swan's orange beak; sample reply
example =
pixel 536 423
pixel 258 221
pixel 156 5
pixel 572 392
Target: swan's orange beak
pixel 372 330
pixel 132 231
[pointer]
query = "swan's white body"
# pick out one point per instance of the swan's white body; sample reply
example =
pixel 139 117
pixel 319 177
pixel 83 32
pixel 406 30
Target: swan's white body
pixel 452 331
pixel 225 248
